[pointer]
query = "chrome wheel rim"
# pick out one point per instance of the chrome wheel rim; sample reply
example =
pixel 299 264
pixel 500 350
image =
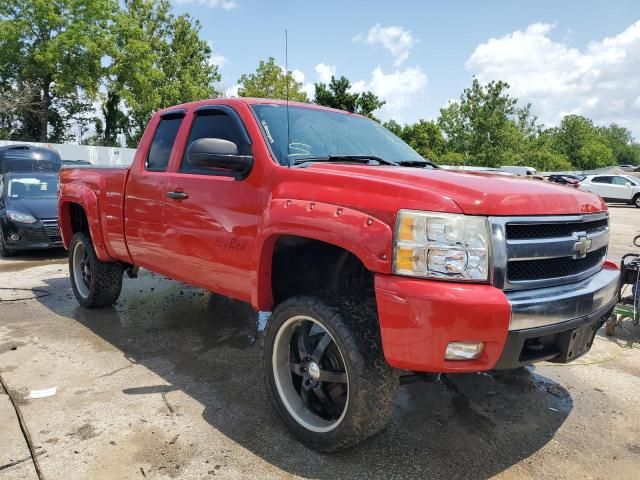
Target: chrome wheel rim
pixel 81 270
pixel 310 374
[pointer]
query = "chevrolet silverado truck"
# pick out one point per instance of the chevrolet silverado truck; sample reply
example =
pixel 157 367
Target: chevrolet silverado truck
pixel 374 262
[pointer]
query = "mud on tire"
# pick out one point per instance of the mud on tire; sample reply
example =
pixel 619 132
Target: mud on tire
pixel 95 283
pixel 350 378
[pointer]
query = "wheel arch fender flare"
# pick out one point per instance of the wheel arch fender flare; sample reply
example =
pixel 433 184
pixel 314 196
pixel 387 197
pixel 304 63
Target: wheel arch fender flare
pixel 359 233
pixel 87 199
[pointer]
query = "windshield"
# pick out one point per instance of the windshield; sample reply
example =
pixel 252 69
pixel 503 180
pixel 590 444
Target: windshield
pixel 32 187
pixel 315 133
pixel 633 180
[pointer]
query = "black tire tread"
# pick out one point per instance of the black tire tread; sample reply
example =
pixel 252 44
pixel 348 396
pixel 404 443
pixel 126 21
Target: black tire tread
pixel 374 389
pixel 106 277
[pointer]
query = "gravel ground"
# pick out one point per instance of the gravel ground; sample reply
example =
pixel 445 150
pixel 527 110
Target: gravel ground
pixel 167 384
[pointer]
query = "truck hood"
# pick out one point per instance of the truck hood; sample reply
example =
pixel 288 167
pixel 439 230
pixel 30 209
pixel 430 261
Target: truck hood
pixel 475 193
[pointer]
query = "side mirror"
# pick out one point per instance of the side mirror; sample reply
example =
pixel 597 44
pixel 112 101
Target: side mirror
pixel 220 157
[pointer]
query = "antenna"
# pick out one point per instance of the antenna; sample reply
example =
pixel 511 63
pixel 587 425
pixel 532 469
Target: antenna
pixel 286 67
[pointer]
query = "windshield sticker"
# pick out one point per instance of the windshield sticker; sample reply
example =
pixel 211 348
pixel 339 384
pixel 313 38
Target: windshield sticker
pixel 266 130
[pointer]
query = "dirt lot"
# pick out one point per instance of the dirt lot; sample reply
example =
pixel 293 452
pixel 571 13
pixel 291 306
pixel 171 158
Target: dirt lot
pixel 168 385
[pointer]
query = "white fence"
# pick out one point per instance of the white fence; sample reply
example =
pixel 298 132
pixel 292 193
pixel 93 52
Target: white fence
pixel 96 155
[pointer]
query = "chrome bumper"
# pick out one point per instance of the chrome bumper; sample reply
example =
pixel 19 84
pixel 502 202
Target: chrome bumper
pixel 548 306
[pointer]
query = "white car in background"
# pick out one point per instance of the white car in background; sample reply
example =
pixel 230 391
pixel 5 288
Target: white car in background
pixel 614 188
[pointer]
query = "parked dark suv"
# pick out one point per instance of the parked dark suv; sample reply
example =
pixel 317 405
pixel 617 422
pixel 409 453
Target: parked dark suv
pixel 28 158
pixel 28 212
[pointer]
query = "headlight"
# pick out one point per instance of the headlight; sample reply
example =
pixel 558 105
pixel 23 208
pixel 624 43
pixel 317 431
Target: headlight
pixel 20 217
pixel 442 245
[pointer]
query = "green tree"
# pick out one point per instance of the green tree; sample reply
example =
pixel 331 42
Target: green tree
pixel 426 138
pixel 620 141
pixel 56 47
pixel 485 125
pixel 158 60
pixel 394 127
pixel 580 141
pixel 337 94
pixel 270 81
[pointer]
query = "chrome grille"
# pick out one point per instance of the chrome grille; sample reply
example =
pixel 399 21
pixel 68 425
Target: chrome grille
pixel 52 229
pixel 534 252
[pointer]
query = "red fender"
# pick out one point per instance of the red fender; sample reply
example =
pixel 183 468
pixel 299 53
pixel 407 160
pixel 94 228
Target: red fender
pixel 364 236
pixel 86 198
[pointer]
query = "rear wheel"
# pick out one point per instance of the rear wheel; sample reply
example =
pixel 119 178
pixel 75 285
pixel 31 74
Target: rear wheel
pixel 95 283
pixel 325 372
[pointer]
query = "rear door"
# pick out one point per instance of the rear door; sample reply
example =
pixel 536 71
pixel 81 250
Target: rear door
pixel 601 185
pixel 209 234
pixel 145 194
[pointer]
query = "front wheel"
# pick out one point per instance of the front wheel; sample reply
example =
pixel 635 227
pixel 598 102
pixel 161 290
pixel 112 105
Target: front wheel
pixel 4 251
pixel 636 200
pixel 325 371
pixel 95 283
pixel 610 325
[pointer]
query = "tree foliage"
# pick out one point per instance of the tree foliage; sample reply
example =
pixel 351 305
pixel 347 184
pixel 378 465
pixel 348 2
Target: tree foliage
pixel 338 94
pixel 486 127
pixel 53 51
pixel 271 81
pixel 59 57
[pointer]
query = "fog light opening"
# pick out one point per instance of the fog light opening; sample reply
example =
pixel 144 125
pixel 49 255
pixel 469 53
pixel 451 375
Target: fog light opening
pixel 14 237
pixel 463 350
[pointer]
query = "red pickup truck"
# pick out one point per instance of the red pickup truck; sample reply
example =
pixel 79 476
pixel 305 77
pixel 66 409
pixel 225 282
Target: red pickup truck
pixel 374 262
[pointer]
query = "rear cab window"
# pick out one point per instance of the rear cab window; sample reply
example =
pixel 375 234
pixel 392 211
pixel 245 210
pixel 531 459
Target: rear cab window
pixel 162 143
pixel 601 180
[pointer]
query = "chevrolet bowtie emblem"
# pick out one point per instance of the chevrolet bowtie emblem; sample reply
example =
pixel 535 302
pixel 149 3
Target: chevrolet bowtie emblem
pixel 582 246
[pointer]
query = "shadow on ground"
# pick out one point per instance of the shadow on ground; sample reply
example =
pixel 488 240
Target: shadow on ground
pixel 471 426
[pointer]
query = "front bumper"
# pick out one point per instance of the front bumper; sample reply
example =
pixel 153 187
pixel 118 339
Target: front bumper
pixel 419 318
pixel 33 236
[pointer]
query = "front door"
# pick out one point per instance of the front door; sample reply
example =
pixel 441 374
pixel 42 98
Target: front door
pixel 211 219
pixel 145 196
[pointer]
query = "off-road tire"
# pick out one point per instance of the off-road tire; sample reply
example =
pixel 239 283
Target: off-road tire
pixel 4 251
pixel 106 277
pixel 610 325
pixel 372 383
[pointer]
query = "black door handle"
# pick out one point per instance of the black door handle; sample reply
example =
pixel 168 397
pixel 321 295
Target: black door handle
pixel 177 195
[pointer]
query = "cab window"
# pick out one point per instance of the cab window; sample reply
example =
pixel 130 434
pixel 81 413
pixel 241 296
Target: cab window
pixel 601 180
pixel 213 124
pixel 162 143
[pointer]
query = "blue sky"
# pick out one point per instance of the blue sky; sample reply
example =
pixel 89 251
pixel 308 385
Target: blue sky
pixel 562 56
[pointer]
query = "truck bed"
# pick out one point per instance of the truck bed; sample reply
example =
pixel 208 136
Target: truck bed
pixel 107 185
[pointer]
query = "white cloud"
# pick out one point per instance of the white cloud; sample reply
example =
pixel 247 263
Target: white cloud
pixel 325 72
pixel 224 4
pixel 395 39
pixel 219 60
pixel 600 81
pixel 232 92
pixel 400 89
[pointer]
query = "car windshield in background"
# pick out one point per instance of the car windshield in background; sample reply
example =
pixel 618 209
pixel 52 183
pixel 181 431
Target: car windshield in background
pixel 31 188
pixel 323 134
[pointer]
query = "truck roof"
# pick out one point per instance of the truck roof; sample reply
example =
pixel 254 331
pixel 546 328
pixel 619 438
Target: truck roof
pixel 250 101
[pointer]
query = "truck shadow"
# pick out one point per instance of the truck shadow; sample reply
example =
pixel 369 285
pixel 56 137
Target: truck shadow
pixel 471 426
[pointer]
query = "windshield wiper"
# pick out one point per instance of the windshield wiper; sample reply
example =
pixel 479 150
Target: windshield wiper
pixel 418 163
pixel 345 158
